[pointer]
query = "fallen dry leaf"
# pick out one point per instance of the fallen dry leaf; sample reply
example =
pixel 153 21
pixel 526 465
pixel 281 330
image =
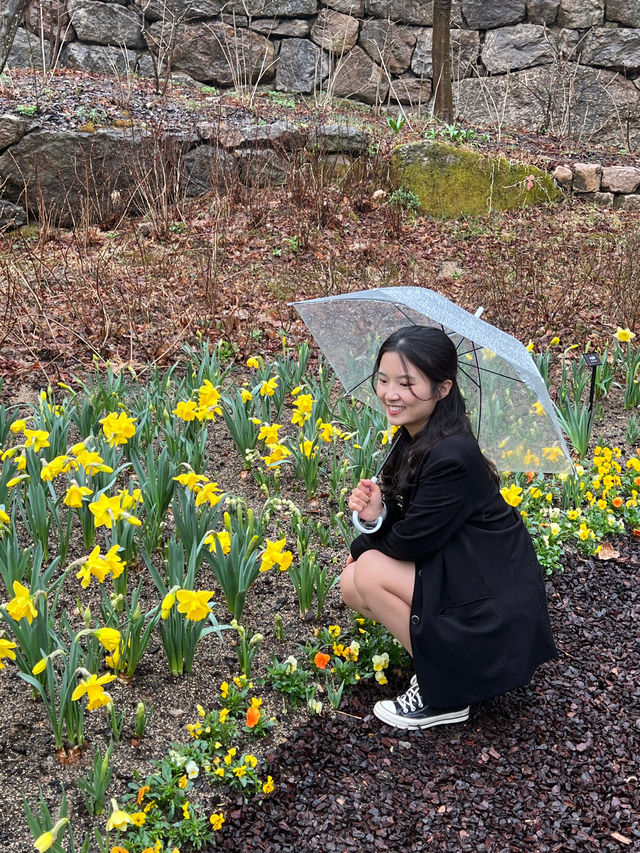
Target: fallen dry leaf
pixel 607 552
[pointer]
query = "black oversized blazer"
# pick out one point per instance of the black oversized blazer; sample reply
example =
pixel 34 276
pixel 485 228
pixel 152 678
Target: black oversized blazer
pixel 479 622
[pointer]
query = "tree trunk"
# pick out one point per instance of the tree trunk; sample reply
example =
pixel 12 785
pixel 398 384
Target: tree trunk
pixel 10 19
pixel 441 61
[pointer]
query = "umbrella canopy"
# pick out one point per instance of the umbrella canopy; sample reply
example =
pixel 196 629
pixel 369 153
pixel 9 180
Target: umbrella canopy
pixel 507 401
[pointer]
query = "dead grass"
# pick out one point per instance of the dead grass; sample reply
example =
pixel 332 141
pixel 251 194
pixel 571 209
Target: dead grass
pixel 225 266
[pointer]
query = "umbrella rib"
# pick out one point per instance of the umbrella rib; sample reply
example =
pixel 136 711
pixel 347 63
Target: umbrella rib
pixel 350 391
pixel 468 375
pixel 475 353
pixel 496 373
pixel 404 314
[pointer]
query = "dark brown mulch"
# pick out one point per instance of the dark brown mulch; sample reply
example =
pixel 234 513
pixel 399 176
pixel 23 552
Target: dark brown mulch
pixel 550 767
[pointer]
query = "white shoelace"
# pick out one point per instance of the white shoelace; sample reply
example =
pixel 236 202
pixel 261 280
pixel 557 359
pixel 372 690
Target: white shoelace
pixel 411 700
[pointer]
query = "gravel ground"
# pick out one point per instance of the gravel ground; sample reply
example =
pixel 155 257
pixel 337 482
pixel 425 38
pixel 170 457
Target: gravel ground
pixel 550 767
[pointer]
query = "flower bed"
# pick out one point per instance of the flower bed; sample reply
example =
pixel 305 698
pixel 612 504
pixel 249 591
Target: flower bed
pixel 173 515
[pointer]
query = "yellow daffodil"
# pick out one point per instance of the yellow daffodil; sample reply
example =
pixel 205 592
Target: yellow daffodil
pixel 194 605
pixel 115 565
pixel 94 689
pixel 17 426
pixel 208 398
pixel 92 462
pixel 47 839
pixel 118 429
pixel 269 434
pixel 268 387
pixel 106 511
pixel 6 650
pixel 58 465
pixel 253 363
pixel 21 606
pixel 190 480
pixel 118 819
pixel 36 438
pixel 75 494
pixel 222 539
pixel 273 554
pixel 308 449
pixel 167 603
pixel 624 335
pixel 209 493
pixel 304 403
pixel 109 638
pixel 552 453
pixel 326 431
pixel 512 495
pixel 95 565
pixel 186 411
pixel 245 395
pixel 40 666
pixel 278 453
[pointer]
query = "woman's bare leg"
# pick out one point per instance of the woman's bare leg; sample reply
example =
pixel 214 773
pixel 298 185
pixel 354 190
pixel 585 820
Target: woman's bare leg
pixel 381 588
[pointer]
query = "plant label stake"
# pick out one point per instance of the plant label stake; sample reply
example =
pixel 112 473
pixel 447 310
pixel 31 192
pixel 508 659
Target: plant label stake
pixel 592 360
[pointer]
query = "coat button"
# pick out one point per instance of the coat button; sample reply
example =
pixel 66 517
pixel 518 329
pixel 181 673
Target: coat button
pixel 419 573
pixel 415 619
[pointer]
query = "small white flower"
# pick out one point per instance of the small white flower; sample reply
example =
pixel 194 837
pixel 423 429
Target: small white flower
pixel 291 665
pixel 380 662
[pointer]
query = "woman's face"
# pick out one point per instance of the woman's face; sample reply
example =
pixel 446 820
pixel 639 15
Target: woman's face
pixel 406 393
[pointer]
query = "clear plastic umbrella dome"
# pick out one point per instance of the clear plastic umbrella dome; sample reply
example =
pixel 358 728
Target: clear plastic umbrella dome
pixel 507 401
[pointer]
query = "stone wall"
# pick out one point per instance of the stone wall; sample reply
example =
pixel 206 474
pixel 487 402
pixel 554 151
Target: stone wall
pixel 608 186
pixel 570 67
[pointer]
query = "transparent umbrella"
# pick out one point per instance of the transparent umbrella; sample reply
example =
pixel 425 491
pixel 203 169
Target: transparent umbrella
pixel 507 401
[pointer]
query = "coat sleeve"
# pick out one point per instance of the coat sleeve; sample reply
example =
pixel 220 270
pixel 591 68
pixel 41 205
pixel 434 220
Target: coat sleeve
pixel 440 505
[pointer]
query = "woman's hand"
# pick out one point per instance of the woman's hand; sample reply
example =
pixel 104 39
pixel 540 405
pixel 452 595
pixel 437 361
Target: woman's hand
pixel 366 500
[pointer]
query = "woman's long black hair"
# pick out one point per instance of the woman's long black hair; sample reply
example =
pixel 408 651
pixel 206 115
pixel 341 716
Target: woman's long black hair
pixel 433 353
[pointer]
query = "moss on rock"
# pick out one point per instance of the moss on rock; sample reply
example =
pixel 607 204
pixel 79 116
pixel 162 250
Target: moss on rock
pixel 452 181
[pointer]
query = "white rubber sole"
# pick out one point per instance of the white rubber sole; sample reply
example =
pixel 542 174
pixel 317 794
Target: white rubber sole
pixel 385 711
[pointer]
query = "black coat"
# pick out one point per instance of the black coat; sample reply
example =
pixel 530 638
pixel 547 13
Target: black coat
pixel 479 621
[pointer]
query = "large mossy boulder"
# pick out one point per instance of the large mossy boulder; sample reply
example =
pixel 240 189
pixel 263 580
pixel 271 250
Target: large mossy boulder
pixel 450 181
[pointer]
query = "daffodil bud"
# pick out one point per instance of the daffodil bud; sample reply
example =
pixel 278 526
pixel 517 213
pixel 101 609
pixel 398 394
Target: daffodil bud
pixel 86 615
pixel 116 600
